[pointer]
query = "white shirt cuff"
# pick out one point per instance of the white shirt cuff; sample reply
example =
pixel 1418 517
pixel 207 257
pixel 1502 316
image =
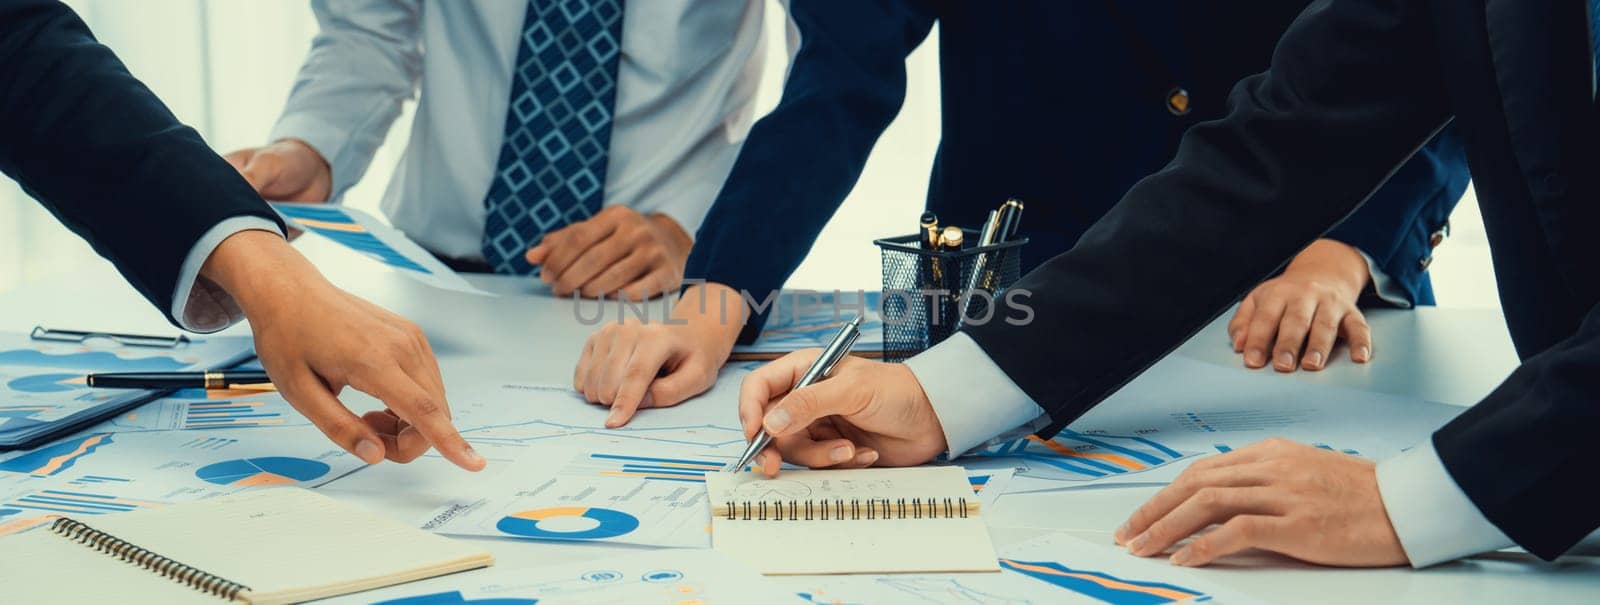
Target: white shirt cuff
pixel 1384 286
pixel 1434 519
pixel 973 398
pixel 198 304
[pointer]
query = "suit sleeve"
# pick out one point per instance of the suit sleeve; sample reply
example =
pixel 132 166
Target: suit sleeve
pixel 1351 94
pixel 1521 454
pixel 1394 227
pixel 800 161
pixel 101 152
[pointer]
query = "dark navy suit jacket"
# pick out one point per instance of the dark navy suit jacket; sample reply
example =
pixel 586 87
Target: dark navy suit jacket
pixel 97 148
pixel 1355 87
pixel 1061 104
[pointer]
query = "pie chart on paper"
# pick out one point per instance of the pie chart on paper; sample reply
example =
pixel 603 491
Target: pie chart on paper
pixel 568 523
pixel 256 472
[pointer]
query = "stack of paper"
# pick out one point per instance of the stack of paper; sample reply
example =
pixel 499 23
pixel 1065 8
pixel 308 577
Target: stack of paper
pixel 42 390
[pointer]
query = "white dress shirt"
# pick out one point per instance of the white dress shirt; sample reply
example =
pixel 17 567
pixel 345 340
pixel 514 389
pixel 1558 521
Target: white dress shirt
pixel 976 402
pixel 686 86
pixel 202 306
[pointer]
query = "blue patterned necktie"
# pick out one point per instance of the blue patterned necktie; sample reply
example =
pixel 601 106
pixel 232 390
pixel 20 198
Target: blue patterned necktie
pixel 1594 41
pixel 552 167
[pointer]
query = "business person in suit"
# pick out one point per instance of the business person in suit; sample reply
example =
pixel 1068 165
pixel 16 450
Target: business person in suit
pixel 1355 88
pixel 90 142
pixel 1063 104
pixel 580 139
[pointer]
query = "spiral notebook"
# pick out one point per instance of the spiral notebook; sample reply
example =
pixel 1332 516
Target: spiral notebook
pixel 283 545
pixel 923 519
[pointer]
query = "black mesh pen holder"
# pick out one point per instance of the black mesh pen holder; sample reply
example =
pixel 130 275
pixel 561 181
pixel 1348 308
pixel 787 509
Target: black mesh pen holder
pixel 926 292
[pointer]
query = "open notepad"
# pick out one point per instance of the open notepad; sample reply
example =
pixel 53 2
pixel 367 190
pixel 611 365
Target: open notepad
pixel 851 521
pixel 270 546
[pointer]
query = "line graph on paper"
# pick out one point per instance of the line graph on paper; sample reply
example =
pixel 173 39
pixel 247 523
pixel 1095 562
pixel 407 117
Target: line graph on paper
pixel 1075 456
pixel 708 436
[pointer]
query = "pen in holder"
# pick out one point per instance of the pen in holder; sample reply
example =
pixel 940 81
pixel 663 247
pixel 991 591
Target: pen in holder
pixel 925 291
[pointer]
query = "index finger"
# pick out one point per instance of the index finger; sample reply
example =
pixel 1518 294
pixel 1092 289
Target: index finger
pixel 427 412
pixel 767 383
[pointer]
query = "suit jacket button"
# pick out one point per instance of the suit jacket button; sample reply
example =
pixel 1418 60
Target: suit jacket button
pixel 1436 238
pixel 1425 262
pixel 1178 101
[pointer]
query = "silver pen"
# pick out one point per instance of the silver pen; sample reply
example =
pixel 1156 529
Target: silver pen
pixel 820 368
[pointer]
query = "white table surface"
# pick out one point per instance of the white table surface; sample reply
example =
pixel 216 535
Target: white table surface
pixel 1452 356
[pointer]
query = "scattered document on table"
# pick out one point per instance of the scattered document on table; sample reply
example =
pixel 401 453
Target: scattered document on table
pixel 585 490
pixel 502 417
pixel 1055 568
pixel 42 382
pixel 369 237
pixel 1182 408
pixel 200 409
pixel 662 576
pixel 101 473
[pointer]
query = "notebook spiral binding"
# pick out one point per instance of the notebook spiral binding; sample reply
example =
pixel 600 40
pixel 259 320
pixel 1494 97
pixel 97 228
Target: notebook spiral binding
pixel 853 509
pixel 133 554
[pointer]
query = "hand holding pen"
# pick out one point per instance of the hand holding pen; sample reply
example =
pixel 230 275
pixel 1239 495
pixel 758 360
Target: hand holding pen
pixel 836 350
pixel 865 413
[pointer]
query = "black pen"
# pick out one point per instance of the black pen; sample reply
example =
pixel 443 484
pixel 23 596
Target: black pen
pixel 227 379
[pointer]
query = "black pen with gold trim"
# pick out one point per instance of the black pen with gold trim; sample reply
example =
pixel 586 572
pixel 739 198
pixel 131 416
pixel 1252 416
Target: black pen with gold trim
pixel 226 379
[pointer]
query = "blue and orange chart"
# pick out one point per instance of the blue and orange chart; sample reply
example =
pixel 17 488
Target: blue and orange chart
pixel 42 384
pixel 364 235
pixel 57 457
pixel 263 471
pixel 199 409
pixel 1074 456
pixel 336 224
pixel 569 523
pixel 1103 586
pixel 605 493
pixel 46 383
pixel 231 409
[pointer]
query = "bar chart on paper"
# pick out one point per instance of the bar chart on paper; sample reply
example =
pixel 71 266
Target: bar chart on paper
pixel 72 502
pixel 27 501
pixel 193 409
pixel 649 468
pixel 42 381
pixel 360 232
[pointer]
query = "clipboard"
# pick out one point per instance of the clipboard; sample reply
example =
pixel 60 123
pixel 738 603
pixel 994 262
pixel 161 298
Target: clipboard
pixel 130 340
